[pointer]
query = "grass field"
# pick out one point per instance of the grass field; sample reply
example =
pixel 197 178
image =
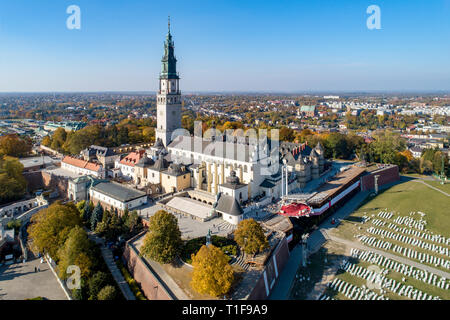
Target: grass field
pixel 408 197
pixel 417 284
pixel 437 184
pixel 411 196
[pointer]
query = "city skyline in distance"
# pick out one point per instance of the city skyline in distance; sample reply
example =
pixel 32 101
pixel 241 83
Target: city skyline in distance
pixel 263 49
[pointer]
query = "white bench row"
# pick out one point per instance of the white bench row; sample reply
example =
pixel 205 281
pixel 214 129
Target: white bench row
pixel 378 223
pixel 374 242
pixel 384 282
pixel 411 241
pixel 426 236
pixel 407 252
pixel 411 222
pixel 418 274
pixel 325 297
pixel 354 292
pixel 385 214
pixel 422 257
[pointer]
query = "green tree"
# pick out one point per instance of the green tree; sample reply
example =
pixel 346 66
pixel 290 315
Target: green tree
pixel 132 222
pixel 12 183
pixel 87 211
pixel 250 236
pixel 14 224
pixel 96 216
pixel 107 293
pixel 163 240
pixel 95 284
pixel 212 274
pixel 110 227
pixel 50 227
pixel 77 250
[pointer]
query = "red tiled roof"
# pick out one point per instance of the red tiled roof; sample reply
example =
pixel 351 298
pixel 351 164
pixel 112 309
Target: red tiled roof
pixel 81 163
pixel 133 158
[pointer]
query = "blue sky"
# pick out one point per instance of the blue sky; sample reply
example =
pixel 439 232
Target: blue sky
pixel 226 45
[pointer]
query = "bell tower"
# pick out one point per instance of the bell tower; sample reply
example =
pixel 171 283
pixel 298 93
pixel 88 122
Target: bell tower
pixel 169 94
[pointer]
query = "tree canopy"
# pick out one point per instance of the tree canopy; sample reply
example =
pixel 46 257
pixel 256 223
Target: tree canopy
pixel 212 274
pixel 13 185
pixel 14 146
pixel 250 236
pixel 50 227
pixel 76 251
pixel 163 240
pixel 107 293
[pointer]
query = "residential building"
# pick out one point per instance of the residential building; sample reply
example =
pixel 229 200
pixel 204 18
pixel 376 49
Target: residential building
pixel 112 195
pixel 83 167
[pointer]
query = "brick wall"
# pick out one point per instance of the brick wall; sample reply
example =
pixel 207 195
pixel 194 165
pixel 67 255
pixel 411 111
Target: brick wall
pixel 34 180
pixel 56 182
pixel 151 287
pixel 387 175
pixel 281 255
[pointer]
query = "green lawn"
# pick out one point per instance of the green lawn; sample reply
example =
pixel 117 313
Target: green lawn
pixel 437 184
pixel 413 196
pixel 403 199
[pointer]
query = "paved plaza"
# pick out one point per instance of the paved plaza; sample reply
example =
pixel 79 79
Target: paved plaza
pixel 19 282
pixel 191 228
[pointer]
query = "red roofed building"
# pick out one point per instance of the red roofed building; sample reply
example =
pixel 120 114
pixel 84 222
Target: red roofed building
pixel 82 167
pixel 127 164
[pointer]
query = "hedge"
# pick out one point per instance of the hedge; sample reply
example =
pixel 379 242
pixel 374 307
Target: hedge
pixel 131 282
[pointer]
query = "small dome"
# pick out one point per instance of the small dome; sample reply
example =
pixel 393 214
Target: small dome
pixel 233 178
pixel 175 169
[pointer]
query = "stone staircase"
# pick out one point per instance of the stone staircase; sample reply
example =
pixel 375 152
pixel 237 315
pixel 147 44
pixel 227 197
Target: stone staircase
pixel 240 261
pixel 226 226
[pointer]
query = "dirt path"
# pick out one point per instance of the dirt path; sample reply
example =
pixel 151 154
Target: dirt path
pixel 327 277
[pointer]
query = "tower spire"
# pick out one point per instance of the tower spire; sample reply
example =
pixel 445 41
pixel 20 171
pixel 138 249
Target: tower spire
pixel 169 24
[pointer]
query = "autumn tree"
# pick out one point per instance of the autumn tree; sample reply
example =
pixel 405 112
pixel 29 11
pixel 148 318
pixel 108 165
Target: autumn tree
pixel 76 251
pixel 14 146
pixel 163 240
pixel 287 134
pixel 46 141
pixel 250 236
pixel 12 183
pixel 50 227
pixel 58 139
pixel 212 274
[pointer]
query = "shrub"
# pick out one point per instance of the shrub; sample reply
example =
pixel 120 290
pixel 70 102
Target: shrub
pixel 131 282
pixel 107 293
